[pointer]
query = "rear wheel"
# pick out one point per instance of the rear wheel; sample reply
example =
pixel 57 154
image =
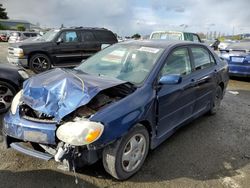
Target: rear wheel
pixel 7 92
pixel 216 101
pixel 39 63
pixel 126 156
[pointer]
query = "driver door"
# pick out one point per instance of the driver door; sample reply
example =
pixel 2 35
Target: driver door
pixel 176 102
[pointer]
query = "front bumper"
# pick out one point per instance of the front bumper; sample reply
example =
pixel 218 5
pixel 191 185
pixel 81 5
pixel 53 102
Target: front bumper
pixel 17 61
pixel 17 131
pixel 22 129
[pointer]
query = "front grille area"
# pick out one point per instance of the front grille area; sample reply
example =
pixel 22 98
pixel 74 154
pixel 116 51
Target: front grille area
pixel 11 51
pixel 28 113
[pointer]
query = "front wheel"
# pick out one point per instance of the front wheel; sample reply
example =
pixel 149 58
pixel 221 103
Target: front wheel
pixel 7 93
pixel 126 156
pixel 39 63
pixel 216 101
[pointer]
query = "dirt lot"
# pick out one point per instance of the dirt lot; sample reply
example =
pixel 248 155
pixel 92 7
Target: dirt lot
pixel 212 151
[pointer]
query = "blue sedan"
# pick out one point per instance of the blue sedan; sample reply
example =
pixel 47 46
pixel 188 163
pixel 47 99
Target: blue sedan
pixel 117 105
pixel 238 57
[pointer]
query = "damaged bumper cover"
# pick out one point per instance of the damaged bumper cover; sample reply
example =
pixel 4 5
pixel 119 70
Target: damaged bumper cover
pixel 22 129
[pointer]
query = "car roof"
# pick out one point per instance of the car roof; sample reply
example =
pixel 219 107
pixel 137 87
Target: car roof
pixel 160 43
pixel 85 28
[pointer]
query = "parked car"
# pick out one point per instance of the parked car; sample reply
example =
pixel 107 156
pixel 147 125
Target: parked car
pixel 175 35
pixel 3 37
pixel 225 44
pixel 60 47
pixel 11 79
pixel 238 57
pixel 116 105
pixel 19 36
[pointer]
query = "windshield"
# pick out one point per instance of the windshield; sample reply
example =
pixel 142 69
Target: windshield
pixel 167 36
pixel 49 35
pixel 130 63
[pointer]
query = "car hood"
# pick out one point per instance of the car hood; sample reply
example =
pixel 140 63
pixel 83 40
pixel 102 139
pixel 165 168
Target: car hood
pixel 59 92
pixel 28 42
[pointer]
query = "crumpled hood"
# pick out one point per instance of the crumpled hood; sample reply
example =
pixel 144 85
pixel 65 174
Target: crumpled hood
pixel 59 92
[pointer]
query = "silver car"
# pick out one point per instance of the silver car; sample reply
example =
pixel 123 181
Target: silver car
pixel 20 36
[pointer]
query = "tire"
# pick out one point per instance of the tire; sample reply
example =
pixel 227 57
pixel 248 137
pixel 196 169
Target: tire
pixel 126 156
pixel 216 101
pixel 7 93
pixel 39 63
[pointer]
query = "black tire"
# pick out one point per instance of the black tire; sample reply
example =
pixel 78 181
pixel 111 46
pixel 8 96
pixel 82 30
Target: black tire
pixel 7 93
pixel 216 101
pixel 113 154
pixel 39 63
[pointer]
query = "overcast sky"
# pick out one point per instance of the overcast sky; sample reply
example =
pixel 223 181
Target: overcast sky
pixel 127 17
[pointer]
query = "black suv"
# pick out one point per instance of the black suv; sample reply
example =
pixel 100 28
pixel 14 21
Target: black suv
pixel 60 47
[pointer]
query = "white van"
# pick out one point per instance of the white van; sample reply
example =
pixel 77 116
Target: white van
pixel 175 35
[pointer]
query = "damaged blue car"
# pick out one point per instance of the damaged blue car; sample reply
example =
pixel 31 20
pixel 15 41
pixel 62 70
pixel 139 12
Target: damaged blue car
pixel 117 105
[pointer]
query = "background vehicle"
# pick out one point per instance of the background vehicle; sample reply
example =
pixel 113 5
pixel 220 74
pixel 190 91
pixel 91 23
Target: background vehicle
pixel 19 36
pixel 11 79
pixel 64 47
pixel 3 37
pixel 175 35
pixel 223 45
pixel 116 105
pixel 238 57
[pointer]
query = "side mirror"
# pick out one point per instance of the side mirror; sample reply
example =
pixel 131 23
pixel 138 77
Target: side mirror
pixel 170 79
pixel 59 40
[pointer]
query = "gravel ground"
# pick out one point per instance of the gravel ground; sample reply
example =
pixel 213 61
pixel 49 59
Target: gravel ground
pixel 212 151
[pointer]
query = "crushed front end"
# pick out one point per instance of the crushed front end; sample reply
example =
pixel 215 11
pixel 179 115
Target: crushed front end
pixel 45 122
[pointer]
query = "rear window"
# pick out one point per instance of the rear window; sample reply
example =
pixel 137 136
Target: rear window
pixel 105 36
pixel 167 36
pixel 88 36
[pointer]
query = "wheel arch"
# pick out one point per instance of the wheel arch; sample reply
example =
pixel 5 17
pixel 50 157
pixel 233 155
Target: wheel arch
pixel 39 52
pixel 16 87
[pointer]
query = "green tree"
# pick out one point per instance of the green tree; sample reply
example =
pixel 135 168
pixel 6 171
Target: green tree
pixel 2 27
pixel 20 27
pixel 3 14
pixel 136 36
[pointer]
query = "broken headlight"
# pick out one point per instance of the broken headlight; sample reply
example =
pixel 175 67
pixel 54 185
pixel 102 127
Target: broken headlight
pixel 79 133
pixel 15 102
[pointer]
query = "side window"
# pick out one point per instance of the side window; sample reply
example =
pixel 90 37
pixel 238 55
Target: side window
pixel 195 38
pixel 88 36
pixel 106 36
pixel 69 36
pixel 178 63
pixel 202 58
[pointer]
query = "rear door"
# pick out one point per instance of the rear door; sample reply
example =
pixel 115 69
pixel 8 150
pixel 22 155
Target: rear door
pixel 89 45
pixel 176 102
pixel 204 77
pixel 68 51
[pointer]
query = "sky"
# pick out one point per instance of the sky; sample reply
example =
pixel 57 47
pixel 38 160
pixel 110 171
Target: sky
pixel 127 17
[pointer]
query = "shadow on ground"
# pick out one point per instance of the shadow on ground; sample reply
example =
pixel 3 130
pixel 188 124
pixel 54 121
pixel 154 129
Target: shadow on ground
pixel 40 178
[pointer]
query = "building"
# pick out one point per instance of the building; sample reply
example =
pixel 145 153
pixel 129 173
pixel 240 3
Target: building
pixel 12 24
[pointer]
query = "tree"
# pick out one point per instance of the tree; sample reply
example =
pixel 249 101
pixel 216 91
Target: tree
pixel 3 14
pixel 136 36
pixel 20 27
